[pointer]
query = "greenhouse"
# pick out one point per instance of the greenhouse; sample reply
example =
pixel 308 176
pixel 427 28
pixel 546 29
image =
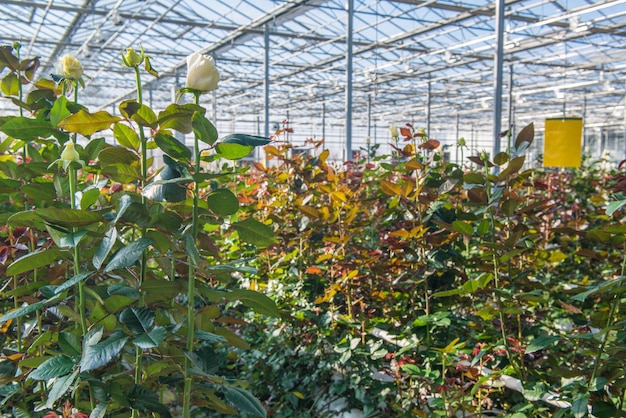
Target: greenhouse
pixel 312 208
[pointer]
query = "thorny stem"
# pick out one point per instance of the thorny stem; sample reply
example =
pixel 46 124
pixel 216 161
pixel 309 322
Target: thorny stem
pixel 496 275
pixel 191 278
pixel 609 323
pixel 144 255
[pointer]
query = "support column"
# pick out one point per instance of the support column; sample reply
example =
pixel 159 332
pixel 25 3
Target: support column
pixel 456 158
pixel 510 105
pixel 324 123
pixel 497 64
pixel 428 94
pixel 349 30
pixel 266 80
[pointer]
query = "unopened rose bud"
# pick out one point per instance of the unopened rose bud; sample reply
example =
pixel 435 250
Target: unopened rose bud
pixel 132 58
pixel 202 74
pixel 69 152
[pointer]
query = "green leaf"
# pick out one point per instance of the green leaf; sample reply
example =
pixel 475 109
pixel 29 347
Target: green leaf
pixel 168 185
pixel 106 245
pixel 9 186
pixel 256 301
pixel 94 147
pixel 40 191
pixel 59 111
pixel 612 207
pixel 233 151
pixel 26 218
pixel 24 310
pixel 69 218
pixel 579 405
pixel 151 339
pixel 100 354
pixel 126 136
pixel 59 387
pixel 63 238
pixel 139 113
pixel 247 140
pixel 53 367
pixel 86 123
pixel 463 228
pixel 122 206
pixel 191 249
pixel 71 282
pixel 172 147
pixel 10 85
pixel 7 59
pixel 129 254
pixel 138 320
pixel 144 400
pixel 27 129
pixel 204 130
pixel 178 117
pixel 244 401
pixel 501 158
pixel 114 303
pixel 209 337
pixel 138 214
pixel 254 232
pixel 33 261
pixel 526 135
pixel 99 411
pixel 539 343
pixel 69 344
pixel 223 202
pixel 89 197
pixel 513 167
pixel 117 155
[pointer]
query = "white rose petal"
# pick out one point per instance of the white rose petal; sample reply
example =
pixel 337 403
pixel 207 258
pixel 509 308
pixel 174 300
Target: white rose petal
pixel 68 66
pixel 202 74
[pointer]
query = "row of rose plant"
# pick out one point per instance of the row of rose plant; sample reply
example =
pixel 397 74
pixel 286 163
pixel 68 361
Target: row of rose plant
pixel 419 287
pixel 115 291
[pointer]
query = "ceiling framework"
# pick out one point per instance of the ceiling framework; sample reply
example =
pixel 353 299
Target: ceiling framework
pixel 565 55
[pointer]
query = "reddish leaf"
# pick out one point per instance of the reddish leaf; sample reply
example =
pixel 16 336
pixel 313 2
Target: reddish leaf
pixel 430 145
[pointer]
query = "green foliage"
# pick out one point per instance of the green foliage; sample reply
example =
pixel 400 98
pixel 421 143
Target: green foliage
pixel 417 287
pixel 95 256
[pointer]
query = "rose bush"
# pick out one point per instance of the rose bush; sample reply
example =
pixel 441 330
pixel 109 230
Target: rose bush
pixel 116 298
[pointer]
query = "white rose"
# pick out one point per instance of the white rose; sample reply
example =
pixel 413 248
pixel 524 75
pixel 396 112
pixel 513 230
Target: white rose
pixel 68 66
pixel 201 73
pixel 393 130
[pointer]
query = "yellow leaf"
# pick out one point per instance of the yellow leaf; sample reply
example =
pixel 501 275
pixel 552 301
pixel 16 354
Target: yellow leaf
pixel 309 211
pixel 418 231
pixel 414 165
pixel 271 150
pixel 324 257
pixel 86 123
pixel 339 197
pixel 352 274
pixel 351 214
pixel 402 233
pixel 390 188
pixel 323 156
pixel 298 394
pixel 407 188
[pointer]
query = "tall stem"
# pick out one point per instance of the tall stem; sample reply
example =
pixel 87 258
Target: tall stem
pixel 609 323
pixel 144 255
pixel 191 291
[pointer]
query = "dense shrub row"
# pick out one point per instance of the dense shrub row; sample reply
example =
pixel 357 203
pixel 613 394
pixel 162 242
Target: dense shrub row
pixel 411 286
